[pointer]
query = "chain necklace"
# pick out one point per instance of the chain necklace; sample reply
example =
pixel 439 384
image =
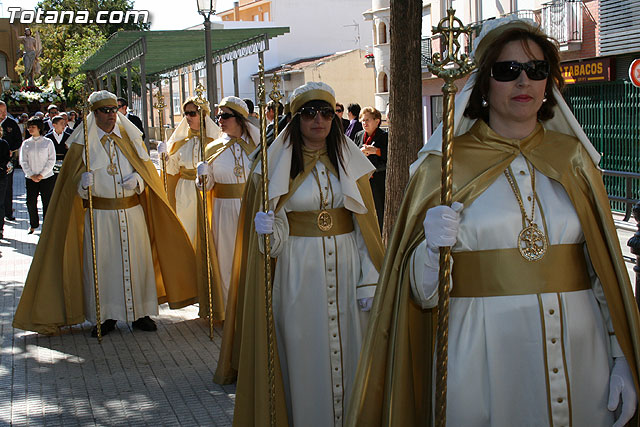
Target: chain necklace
pixel 112 169
pixel 324 219
pixel 532 241
pixel 238 170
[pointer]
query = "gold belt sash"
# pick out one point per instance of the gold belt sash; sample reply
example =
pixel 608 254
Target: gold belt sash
pixel 189 174
pixel 305 223
pixel 228 191
pixel 112 204
pixel 504 272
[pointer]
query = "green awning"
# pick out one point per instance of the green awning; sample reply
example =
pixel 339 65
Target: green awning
pixel 168 50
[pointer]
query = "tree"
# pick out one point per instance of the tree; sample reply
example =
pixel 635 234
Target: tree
pixel 405 130
pixel 66 46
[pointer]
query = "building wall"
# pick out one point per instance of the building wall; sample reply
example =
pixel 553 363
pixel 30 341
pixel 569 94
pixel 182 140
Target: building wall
pixel 248 11
pixel 9 47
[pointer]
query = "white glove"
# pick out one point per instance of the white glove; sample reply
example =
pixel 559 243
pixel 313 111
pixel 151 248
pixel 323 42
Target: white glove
pixel 130 181
pixel 365 304
pixel 162 148
pixel 202 168
pixel 264 222
pixel 621 385
pixel 441 225
pixel 86 180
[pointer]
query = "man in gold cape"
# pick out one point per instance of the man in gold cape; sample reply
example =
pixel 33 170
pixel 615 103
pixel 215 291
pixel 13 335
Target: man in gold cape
pixel 394 384
pixel 244 349
pixel 53 294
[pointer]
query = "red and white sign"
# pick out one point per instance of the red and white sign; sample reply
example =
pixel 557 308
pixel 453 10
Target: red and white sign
pixel 634 72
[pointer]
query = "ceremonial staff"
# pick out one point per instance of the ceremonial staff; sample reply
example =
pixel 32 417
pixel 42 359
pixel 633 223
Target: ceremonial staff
pixel 85 122
pixel 267 238
pixel 276 96
pixel 449 66
pixel 201 103
pixel 159 105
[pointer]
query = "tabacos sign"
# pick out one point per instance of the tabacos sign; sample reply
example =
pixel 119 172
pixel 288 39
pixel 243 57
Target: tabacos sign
pixel 593 70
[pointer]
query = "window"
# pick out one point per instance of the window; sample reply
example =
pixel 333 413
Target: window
pixel 383 84
pixel 3 65
pixel 382 33
pixel 175 83
pixel 436 111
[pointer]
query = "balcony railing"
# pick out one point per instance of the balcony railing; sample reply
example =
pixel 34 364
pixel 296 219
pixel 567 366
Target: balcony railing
pixel 562 20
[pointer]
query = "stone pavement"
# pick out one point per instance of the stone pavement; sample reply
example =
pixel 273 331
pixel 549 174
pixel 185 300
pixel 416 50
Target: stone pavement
pixel 132 378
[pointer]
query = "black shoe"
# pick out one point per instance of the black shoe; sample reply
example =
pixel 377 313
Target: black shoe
pixel 145 324
pixel 31 230
pixel 10 218
pixel 107 326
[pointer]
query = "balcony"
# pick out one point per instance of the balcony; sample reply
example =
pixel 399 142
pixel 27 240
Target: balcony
pixel 562 20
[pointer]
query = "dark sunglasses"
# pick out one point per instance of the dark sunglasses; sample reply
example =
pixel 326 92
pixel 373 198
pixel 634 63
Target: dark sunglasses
pixel 510 70
pixel 225 116
pixel 191 113
pixel 310 113
pixel 108 110
pixel 339 111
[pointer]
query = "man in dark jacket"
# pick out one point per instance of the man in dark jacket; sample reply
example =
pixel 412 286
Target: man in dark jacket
pixel 122 108
pixel 353 111
pixel 5 158
pixel 59 135
pixel 11 132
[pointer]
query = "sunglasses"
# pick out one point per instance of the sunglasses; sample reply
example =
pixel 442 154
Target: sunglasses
pixel 310 113
pixel 510 70
pixel 339 111
pixel 108 110
pixel 225 116
pixel 191 113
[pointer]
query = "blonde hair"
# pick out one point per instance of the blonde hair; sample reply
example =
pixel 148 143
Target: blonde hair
pixel 371 110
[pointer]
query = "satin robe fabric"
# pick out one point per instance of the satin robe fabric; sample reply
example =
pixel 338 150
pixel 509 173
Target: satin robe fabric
pixel 552 369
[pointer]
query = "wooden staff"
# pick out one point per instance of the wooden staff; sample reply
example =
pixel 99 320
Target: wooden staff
pixel 201 103
pixel 267 243
pixel 450 67
pixel 96 289
pixel 159 105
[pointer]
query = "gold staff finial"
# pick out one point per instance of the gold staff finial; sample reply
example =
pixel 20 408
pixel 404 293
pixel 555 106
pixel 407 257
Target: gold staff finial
pixel 276 96
pixel 267 245
pixel 449 66
pixel 160 105
pixel 202 104
pixel 96 289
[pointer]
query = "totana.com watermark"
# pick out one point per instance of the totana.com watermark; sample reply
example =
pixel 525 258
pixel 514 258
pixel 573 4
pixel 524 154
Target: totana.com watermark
pixel 39 16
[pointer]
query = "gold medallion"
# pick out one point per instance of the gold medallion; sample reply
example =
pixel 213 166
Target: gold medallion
pixel 238 171
pixel 532 243
pixel 112 169
pixel 325 222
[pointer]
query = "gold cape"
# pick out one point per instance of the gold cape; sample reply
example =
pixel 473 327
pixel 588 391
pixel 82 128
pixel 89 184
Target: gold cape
pixel 53 292
pixel 244 348
pixel 393 383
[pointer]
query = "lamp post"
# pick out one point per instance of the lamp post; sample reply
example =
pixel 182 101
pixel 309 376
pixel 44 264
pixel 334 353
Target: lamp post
pixel 206 8
pixel 6 84
pixel 57 82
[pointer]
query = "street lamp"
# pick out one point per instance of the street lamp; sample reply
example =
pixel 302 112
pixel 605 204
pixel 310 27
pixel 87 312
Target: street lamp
pixel 206 8
pixel 57 82
pixel 6 84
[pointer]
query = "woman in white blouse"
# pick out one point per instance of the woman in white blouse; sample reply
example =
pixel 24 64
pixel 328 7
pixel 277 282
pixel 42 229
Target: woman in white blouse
pixel 37 158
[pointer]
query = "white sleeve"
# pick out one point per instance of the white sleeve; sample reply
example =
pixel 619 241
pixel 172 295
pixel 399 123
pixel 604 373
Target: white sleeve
pixel 51 158
pixel 424 276
pixel 596 285
pixel 24 161
pixel 173 163
pixel 366 286
pixel 140 187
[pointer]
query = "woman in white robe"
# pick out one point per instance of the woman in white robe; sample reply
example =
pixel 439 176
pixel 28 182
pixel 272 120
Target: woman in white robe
pixel 325 238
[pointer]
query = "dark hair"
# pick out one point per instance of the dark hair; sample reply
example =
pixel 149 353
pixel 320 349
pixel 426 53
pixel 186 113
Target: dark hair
pixel 354 109
pixel 475 110
pixel 123 101
pixel 271 105
pixel 36 121
pixel 335 140
pixel 339 105
pixel 57 118
pixel 249 105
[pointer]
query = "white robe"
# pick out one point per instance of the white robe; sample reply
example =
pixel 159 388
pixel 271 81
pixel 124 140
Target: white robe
pixel 319 327
pixel 188 157
pixel 507 367
pixel 126 277
pixel 224 222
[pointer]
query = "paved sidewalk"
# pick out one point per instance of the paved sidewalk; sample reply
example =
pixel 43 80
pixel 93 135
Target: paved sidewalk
pixel 132 378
